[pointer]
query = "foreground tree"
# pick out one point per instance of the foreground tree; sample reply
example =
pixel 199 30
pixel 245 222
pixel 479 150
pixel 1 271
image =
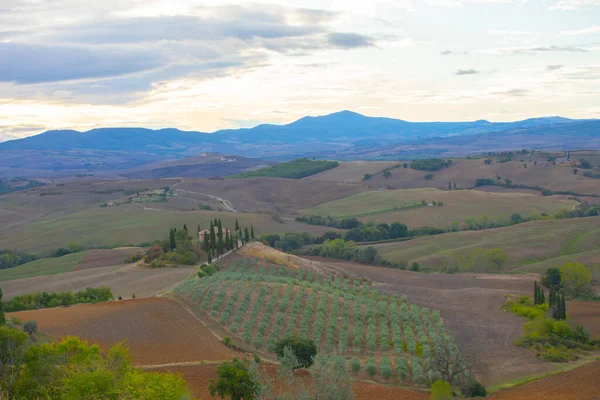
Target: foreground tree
pixel 452 363
pixel 235 381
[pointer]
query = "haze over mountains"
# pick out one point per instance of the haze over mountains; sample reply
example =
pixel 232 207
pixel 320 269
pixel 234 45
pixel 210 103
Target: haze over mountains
pixel 344 135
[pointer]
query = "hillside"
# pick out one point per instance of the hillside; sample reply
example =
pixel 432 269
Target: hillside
pixel 295 169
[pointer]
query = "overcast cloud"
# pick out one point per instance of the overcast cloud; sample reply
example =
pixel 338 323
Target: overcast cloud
pixel 205 65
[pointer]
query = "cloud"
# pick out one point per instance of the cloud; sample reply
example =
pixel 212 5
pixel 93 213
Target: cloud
pixel 35 63
pixel 532 50
pixel 569 5
pixel 466 72
pixel 554 67
pixel 512 92
pixel 453 53
pixel 350 40
pixel 586 31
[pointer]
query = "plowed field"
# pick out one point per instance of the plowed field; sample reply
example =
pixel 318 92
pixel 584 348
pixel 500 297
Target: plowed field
pixel 158 330
pixel 578 384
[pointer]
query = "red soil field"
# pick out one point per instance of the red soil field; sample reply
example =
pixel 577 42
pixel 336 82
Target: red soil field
pixel 578 384
pixel 198 377
pixel 586 313
pixel 158 330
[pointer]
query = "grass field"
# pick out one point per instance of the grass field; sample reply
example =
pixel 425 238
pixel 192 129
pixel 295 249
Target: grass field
pixel 465 172
pixel 127 224
pixel 45 266
pixel 405 206
pixel 527 244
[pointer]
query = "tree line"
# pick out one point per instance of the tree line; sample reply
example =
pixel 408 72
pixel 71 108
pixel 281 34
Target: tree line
pixel 36 301
pixel 182 248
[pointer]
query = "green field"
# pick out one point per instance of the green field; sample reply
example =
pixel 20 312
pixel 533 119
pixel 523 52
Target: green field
pixel 124 225
pixel 405 206
pixel 295 169
pixel 531 246
pixel 45 266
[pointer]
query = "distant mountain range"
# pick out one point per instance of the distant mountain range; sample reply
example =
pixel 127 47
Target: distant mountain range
pixel 342 135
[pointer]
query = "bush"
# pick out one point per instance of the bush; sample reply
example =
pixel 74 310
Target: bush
pixel 475 389
pixel 355 364
pixel 50 300
pixel 441 390
pixel 30 327
pixel 370 367
pixel 430 164
pixel 304 349
pixel 414 266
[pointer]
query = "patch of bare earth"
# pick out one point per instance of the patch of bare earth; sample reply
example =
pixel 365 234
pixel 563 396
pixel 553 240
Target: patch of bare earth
pixel 471 309
pixel 105 258
pixel 578 384
pixel 586 313
pixel 123 280
pixel 157 330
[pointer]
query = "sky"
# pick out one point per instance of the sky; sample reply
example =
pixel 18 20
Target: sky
pixel 214 64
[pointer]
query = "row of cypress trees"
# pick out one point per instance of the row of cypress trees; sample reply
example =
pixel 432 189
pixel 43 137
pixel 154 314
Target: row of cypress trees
pixel 219 240
pixel 556 301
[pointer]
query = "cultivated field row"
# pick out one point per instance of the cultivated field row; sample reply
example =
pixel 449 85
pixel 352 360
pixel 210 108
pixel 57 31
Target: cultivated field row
pixel 262 303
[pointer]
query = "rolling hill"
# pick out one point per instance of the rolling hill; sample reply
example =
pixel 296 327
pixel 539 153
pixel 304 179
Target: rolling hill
pixel 342 135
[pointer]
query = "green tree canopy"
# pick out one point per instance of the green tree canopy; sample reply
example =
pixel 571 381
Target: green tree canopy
pixel 441 390
pixel 576 278
pixel 235 381
pixel 498 258
pixel 304 349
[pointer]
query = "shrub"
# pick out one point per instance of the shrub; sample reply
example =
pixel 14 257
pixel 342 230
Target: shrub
pixel 414 266
pixel 355 364
pixel 304 349
pixel 441 390
pixel 370 367
pixel 30 327
pixel 475 389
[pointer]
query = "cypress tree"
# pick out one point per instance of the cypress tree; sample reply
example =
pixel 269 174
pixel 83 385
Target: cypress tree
pixel 246 235
pixel 199 228
pixel 535 293
pixel 543 297
pixel 237 245
pixel 449 186
pixel 185 227
pixel 227 242
pixel 209 258
pixel 564 307
pixel 172 239
pixel 220 224
pixel 213 239
pixel 231 241
pixel 206 243
pixel 220 232
pixel 237 226
pixel 252 231
pixel 2 317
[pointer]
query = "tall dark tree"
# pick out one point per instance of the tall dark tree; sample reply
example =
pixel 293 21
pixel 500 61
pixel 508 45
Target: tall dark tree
pixel 172 239
pixel 2 317
pixel 213 238
pixel 449 185
pixel 206 243
pixel 209 258
pixel 237 245
pixel 185 227
pixel 231 241
pixel 237 225
pixel 227 242
pixel 535 293
pixel 246 235
pixel 198 228
pixel 252 231
pixel 542 296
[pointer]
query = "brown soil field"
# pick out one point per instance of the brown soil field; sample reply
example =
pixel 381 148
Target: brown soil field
pixel 578 384
pixel 123 280
pixel 471 308
pixel 586 313
pixel 157 330
pixel 105 258
pixel 279 195
pixel 352 171
pixel 199 376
